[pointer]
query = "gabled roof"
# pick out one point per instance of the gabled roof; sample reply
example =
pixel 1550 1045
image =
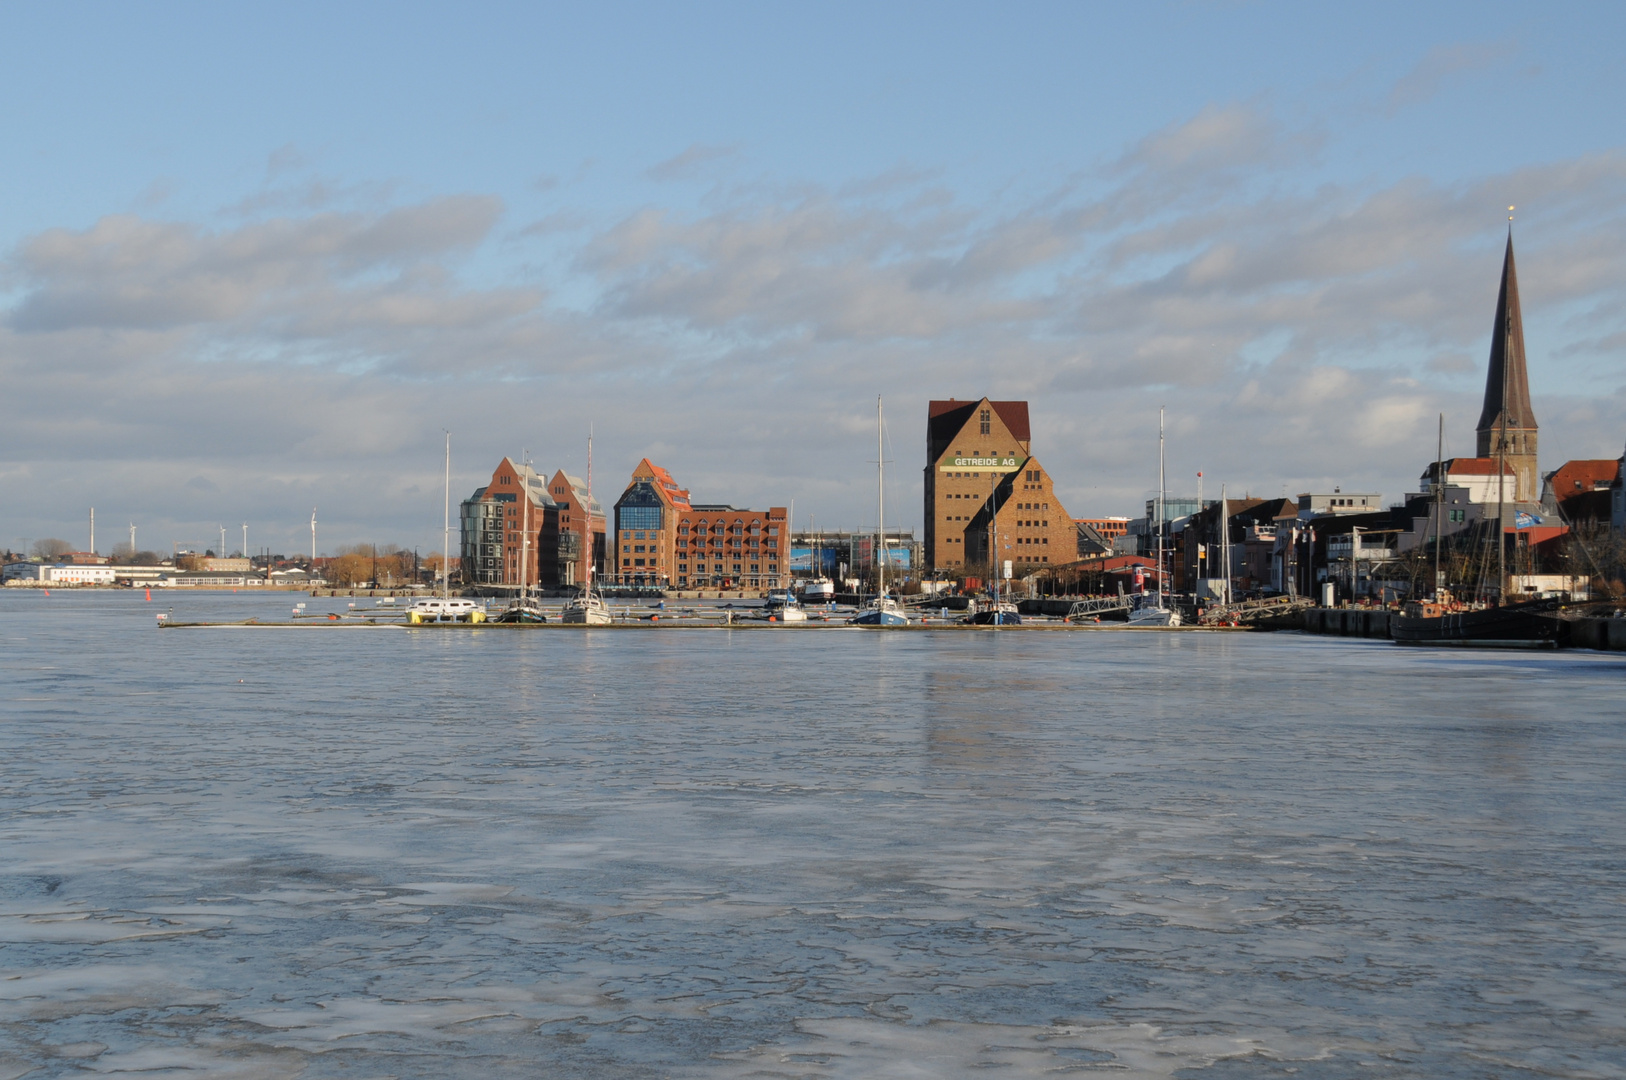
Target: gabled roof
pixel 1468 466
pixel 944 419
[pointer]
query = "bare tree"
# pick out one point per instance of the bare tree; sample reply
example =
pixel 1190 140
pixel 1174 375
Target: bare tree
pixel 51 548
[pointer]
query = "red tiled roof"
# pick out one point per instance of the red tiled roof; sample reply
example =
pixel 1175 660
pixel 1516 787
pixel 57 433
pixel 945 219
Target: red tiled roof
pixel 1586 474
pixel 1469 466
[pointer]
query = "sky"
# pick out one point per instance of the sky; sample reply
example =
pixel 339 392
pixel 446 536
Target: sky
pixel 256 260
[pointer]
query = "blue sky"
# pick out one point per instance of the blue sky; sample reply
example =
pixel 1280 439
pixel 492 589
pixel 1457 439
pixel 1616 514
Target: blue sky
pixel 255 260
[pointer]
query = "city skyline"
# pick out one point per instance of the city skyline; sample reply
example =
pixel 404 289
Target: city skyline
pixel 245 273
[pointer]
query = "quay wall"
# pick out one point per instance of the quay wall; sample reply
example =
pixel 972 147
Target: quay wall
pixel 1598 634
pixel 1609 634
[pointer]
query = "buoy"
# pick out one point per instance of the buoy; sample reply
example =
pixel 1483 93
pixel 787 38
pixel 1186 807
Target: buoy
pixel 149 595
pixel 47 592
pixel 333 617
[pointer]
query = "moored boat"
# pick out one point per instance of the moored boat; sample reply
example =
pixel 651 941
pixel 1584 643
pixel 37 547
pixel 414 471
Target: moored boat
pixel 1529 624
pixel 994 613
pixel 432 609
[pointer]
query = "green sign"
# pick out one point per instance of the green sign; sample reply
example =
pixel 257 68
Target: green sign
pixel 984 464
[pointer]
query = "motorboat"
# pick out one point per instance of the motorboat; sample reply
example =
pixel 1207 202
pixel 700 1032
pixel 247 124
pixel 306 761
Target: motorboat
pixel 587 608
pixel 1149 610
pixel 994 613
pixel 522 609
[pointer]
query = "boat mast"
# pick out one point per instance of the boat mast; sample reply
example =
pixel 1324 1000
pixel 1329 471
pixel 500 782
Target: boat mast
pixel 587 516
pixel 1439 503
pixel 1225 540
pixel 1162 499
pixel 880 506
pixel 446 527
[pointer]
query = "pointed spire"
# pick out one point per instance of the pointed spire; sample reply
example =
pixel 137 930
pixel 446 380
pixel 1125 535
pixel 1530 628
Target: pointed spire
pixel 1507 375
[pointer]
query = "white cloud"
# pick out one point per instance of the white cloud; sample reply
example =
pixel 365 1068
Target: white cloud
pixel 1298 337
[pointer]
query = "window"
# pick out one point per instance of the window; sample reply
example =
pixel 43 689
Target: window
pixel 985 419
pixel 640 517
pixel 626 562
pixel 626 549
pixel 638 547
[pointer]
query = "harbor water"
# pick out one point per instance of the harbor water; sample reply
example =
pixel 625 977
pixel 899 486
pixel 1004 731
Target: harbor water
pixel 754 853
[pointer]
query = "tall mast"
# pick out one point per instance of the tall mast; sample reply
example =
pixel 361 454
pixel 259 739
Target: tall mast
pixel 313 540
pixel 587 514
pixel 1162 498
pixel 1439 503
pixel 1225 539
pixel 880 504
pixel 446 527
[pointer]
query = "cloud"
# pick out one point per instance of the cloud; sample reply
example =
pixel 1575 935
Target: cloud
pixel 1299 336
pixel 690 161
pixel 130 273
pixel 1441 63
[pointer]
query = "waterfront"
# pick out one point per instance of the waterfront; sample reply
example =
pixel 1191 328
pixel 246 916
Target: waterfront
pixel 731 854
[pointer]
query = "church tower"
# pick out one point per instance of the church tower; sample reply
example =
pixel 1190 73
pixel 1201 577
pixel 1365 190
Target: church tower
pixel 1507 392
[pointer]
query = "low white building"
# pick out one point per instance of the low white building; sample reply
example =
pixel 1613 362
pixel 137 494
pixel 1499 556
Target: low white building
pixel 59 573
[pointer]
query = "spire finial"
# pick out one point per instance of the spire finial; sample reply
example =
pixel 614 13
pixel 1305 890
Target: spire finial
pixel 1510 222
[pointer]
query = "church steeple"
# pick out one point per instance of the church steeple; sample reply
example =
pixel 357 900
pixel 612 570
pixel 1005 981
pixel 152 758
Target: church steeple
pixel 1507 389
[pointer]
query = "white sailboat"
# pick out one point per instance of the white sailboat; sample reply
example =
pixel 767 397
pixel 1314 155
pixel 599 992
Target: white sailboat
pixel 817 589
pixel 883 610
pixel 1149 609
pixel 588 607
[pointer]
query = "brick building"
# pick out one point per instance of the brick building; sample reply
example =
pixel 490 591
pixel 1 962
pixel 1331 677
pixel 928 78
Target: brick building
pixel 723 545
pixel 517 532
pixel 646 524
pixel 573 558
pixel 984 485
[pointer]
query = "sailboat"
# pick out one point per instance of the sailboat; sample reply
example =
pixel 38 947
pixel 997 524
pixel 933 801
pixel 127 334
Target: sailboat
pixel 820 589
pixel 442 608
pixel 588 607
pixel 883 610
pixel 526 607
pixel 1149 609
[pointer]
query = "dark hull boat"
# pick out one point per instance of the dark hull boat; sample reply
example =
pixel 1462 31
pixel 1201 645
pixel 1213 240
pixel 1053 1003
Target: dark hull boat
pixel 1532 624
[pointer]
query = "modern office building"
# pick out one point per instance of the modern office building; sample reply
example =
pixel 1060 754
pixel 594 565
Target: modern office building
pixel 987 496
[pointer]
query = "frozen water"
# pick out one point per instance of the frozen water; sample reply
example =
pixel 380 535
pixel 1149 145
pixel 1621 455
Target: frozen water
pixel 798 854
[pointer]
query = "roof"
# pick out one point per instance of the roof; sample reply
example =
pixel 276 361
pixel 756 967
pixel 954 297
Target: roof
pixel 1507 383
pixel 1468 466
pixel 1585 474
pixel 678 496
pixel 944 419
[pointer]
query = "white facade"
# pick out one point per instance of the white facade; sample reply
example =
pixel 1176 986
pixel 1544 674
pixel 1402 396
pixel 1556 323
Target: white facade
pixel 58 573
pixel 1477 486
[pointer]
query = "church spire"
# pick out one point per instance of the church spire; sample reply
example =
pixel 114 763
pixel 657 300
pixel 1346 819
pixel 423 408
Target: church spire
pixel 1507 384
pixel 1507 413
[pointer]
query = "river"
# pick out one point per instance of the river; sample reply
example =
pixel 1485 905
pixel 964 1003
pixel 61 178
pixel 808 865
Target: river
pixel 784 853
